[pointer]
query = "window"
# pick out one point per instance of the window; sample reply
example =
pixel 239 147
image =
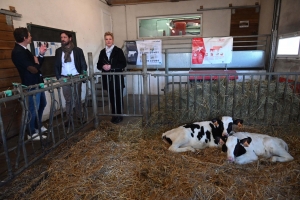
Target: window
pixel 288 46
pixel 170 26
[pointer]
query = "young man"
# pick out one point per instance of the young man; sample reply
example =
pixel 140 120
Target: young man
pixel 69 60
pixel 29 70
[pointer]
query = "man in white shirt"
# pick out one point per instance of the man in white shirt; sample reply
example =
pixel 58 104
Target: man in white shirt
pixel 69 60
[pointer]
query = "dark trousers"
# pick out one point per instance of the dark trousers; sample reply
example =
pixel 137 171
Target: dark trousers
pixel 67 91
pixel 116 99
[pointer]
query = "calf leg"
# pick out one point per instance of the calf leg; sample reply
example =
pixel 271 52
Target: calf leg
pixel 282 156
pixel 175 148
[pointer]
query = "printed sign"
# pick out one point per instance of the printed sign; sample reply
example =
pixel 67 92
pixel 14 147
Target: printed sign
pixel 152 48
pixel 216 50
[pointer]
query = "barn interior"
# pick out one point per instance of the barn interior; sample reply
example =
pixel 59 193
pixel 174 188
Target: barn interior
pixel 97 159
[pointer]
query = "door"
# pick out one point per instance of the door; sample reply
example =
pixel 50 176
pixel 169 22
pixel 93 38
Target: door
pixel 244 22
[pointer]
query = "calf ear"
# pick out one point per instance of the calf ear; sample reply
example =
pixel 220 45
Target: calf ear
pixel 224 148
pixel 249 140
pixel 239 150
pixel 237 121
pixel 214 120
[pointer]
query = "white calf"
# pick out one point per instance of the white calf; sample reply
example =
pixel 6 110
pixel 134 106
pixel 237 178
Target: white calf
pixel 199 135
pixel 244 147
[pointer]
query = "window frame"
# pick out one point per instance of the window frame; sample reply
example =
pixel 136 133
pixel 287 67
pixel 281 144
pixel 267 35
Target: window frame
pixel 286 36
pixel 170 17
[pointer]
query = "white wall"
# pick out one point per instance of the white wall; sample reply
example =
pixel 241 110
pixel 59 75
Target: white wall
pixel 82 17
pixel 215 22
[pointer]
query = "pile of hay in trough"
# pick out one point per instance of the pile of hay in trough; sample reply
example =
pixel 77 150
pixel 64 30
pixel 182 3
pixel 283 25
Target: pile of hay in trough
pixel 131 162
pixel 254 101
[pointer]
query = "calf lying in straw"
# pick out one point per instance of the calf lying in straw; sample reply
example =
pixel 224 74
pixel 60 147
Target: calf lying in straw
pixel 200 135
pixel 244 147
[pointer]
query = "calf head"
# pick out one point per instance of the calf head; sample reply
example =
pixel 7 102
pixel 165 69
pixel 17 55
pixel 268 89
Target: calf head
pixel 235 147
pixel 221 128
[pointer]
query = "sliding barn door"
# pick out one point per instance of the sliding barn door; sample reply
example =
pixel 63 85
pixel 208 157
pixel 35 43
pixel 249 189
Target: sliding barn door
pixel 244 22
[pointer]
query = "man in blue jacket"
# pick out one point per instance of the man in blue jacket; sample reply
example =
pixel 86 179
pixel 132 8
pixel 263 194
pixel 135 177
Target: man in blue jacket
pixel 69 60
pixel 29 70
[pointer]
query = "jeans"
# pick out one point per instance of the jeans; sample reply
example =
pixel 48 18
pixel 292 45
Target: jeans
pixel 40 105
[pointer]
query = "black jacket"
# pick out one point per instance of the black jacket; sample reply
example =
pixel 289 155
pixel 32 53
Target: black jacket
pixel 117 61
pixel 23 58
pixel 79 61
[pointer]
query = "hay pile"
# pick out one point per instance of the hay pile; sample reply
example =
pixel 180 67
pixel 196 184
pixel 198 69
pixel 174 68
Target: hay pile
pixel 130 162
pixel 256 102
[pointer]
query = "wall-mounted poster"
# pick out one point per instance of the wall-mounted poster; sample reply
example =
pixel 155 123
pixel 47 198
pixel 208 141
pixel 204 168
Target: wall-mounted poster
pixel 51 47
pixel 152 48
pixel 216 50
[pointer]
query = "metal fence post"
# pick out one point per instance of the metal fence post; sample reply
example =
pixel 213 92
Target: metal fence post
pixel 93 88
pixel 145 90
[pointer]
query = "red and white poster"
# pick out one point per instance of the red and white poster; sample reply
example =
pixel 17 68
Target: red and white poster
pixel 215 50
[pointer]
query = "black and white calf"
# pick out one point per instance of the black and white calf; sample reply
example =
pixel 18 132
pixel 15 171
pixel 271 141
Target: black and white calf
pixel 199 135
pixel 244 147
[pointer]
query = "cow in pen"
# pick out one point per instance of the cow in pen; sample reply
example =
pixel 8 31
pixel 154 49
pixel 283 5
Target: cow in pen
pixel 245 147
pixel 200 135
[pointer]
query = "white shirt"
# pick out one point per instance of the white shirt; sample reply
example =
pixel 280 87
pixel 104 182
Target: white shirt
pixel 69 67
pixel 109 50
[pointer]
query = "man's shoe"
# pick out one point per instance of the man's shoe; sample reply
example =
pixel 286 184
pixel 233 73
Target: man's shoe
pixel 113 119
pixel 118 120
pixel 66 124
pixel 36 137
pixel 79 120
pixel 43 129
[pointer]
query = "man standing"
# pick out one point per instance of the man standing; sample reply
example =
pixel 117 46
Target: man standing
pixel 29 70
pixel 69 60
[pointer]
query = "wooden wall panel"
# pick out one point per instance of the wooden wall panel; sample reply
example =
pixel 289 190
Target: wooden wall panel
pixel 5 27
pixel 7 44
pixel 5 54
pixel 2 18
pixel 10 111
pixel 6 35
pixel 6 63
pixel 8 73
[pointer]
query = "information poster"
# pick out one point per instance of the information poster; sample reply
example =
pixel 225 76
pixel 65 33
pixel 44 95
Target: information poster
pixel 216 50
pixel 51 47
pixel 152 49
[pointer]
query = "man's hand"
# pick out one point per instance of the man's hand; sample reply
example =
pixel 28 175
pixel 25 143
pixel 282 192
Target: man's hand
pixel 106 67
pixel 36 60
pixel 43 49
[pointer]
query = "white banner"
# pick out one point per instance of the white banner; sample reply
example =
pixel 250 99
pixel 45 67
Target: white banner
pixel 215 50
pixel 152 48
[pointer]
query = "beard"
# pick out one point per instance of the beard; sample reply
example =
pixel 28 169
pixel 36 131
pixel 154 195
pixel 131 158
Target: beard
pixel 63 43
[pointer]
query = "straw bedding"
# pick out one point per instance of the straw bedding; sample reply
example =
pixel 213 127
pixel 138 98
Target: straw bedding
pixel 130 162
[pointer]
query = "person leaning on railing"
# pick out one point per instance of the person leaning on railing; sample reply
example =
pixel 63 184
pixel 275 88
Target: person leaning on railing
pixel 29 70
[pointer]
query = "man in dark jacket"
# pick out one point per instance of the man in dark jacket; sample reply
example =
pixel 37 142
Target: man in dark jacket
pixel 29 70
pixel 69 60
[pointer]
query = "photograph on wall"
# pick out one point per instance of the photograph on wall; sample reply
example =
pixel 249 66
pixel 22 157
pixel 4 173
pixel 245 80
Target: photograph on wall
pixel 215 50
pixel 51 47
pixel 132 52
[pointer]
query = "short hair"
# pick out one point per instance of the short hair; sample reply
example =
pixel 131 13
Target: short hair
pixel 69 34
pixel 20 34
pixel 109 33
